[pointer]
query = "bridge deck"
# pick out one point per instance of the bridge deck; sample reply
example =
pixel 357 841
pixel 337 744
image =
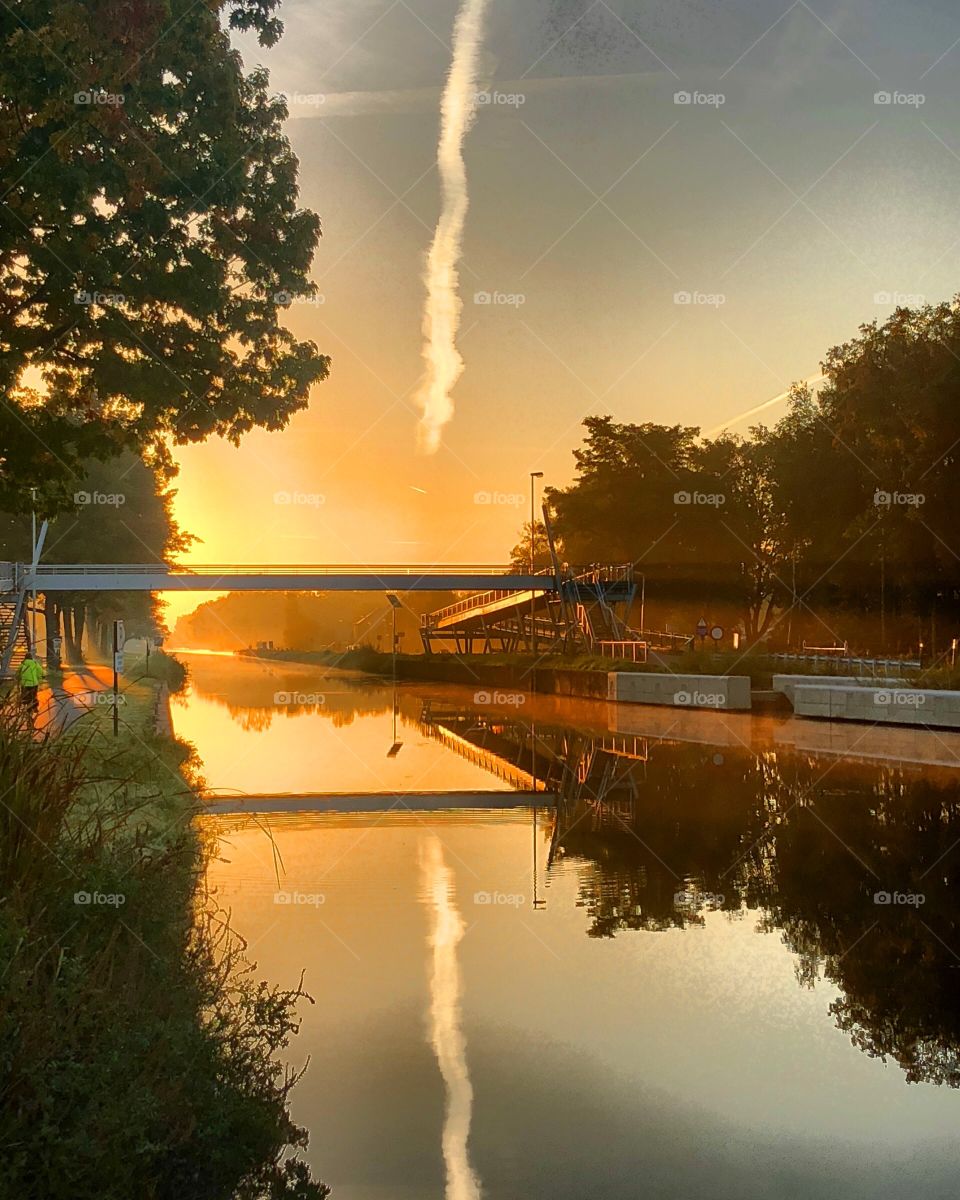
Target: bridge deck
pixel 373 802
pixel 345 577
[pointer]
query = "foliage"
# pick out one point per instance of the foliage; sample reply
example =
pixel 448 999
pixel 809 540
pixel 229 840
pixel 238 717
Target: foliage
pixel 150 237
pixel 122 512
pixel 840 516
pixel 520 554
pixel 138 1055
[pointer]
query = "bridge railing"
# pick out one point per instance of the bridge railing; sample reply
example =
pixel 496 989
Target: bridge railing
pixel 138 569
pixel 478 600
pixel 598 573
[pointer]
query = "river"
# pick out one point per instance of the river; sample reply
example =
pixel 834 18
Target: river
pixel 562 950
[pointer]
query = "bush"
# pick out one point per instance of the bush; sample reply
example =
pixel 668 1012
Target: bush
pixel 138 1056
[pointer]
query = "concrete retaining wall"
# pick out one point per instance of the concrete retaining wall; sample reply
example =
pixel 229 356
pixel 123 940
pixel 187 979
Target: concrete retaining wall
pixel 726 693
pixel 879 705
pixel 788 683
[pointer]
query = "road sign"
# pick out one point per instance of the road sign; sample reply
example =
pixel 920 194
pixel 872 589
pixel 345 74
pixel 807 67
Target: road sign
pixel 118 662
pixel 717 633
pixel 120 634
pixel 702 627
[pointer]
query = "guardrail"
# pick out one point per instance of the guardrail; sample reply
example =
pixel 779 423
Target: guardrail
pixel 137 569
pixel 852 661
pixel 634 651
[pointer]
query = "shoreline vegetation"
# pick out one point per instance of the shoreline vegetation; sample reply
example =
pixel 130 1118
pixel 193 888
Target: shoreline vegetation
pixel 540 672
pixel 140 1055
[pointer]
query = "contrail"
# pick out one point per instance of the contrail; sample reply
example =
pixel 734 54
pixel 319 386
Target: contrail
pixel 758 408
pixel 441 316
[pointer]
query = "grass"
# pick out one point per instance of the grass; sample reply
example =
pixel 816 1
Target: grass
pixel 138 1054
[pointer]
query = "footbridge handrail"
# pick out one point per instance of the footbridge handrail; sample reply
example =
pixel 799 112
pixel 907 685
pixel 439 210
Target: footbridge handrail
pixel 136 569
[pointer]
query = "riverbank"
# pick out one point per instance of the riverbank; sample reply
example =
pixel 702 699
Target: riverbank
pixel 138 1052
pixel 759 667
pixel 585 677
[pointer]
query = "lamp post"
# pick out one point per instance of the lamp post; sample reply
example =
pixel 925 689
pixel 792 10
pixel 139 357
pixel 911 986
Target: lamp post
pixel 395 602
pixel 32 624
pixel 534 476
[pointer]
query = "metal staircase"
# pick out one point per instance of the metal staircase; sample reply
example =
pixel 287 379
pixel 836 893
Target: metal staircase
pixel 578 612
pixel 14 638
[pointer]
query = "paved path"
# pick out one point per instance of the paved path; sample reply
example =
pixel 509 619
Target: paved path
pixel 62 704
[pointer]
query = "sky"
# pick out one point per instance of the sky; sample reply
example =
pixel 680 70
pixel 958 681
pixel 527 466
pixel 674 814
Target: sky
pixel 624 252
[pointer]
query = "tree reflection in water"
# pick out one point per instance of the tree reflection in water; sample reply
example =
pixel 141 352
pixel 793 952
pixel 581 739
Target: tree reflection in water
pixel 662 833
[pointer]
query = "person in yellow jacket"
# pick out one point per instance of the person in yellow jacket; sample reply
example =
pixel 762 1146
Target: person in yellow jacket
pixel 31 673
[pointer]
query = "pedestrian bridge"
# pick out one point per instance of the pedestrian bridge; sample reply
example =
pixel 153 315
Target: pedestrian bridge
pixel 344 577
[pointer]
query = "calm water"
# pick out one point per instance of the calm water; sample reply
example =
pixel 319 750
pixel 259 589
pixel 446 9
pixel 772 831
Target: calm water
pixel 674 981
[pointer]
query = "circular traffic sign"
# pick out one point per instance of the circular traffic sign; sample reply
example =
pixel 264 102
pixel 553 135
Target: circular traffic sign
pixel 716 632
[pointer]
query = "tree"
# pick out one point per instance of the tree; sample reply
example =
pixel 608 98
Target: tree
pixel 124 513
pixel 520 554
pixel 697 517
pixel 149 238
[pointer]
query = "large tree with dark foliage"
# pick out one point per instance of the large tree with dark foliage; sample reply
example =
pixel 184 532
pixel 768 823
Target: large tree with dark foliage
pixel 837 523
pixel 150 236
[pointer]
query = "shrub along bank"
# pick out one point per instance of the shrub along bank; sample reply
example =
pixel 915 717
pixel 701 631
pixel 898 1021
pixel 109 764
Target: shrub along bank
pixel 138 1055
pixel 554 674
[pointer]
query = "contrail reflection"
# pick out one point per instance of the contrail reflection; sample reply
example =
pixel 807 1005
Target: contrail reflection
pixel 449 1044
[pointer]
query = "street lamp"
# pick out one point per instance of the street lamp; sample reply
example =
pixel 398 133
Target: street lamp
pixel 534 475
pixel 533 524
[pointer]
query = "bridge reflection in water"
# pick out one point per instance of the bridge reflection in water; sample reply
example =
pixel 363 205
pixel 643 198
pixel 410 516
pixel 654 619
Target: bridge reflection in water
pixel 854 863
pixel 666 823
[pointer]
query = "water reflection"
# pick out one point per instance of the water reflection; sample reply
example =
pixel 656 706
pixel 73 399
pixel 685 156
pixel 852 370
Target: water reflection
pixel 449 1044
pixel 854 867
pixel 663 829
pixel 711 999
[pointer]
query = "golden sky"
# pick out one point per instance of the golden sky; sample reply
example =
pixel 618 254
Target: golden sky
pixel 786 199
